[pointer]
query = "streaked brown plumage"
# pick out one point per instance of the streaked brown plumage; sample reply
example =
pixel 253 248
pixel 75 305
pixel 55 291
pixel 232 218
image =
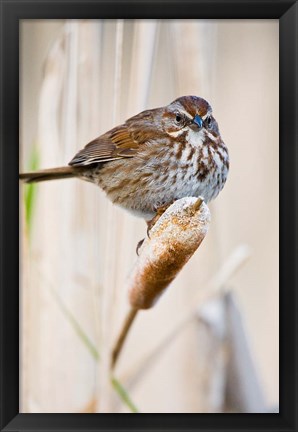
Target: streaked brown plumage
pixel 154 158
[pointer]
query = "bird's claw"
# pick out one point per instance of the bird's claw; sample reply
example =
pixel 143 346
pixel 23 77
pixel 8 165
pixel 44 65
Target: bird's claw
pixel 159 212
pixel 140 243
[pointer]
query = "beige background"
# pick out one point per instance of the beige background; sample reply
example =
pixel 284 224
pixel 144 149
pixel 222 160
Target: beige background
pixel 80 78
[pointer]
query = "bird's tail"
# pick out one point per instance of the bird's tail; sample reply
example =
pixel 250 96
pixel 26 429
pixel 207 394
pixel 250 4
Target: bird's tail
pixel 49 174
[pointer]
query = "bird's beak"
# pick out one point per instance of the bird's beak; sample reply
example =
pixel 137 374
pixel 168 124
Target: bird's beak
pixel 198 121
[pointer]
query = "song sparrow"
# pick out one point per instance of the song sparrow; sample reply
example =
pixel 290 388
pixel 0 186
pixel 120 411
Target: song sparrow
pixel 154 158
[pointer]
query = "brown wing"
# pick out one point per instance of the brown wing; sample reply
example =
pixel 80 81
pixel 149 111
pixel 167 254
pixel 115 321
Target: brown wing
pixel 121 142
pixel 116 144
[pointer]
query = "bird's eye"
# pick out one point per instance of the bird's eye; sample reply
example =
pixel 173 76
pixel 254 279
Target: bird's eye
pixel 209 122
pixel 178 118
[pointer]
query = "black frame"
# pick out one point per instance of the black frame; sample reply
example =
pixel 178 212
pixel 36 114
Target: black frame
pixel 11 12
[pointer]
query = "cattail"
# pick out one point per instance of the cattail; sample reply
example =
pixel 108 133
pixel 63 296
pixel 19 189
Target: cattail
pixel 173 240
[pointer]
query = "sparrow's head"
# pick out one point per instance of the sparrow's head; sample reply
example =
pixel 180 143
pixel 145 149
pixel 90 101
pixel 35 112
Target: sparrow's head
pixel 190 115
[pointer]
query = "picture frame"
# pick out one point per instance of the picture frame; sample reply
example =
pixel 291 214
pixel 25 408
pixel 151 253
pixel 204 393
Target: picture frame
pixel 14 11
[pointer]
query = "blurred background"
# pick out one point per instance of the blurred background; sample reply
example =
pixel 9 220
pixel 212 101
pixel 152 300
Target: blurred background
pixel 78 79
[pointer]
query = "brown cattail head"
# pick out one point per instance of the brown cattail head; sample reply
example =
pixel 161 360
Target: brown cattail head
pixel 173 240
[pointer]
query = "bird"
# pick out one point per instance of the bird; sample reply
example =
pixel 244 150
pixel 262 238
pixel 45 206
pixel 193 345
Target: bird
pixel 153 159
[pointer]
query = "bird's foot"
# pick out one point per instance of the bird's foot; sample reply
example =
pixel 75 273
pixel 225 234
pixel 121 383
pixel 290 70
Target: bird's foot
pixel 159 212
pixel 150 224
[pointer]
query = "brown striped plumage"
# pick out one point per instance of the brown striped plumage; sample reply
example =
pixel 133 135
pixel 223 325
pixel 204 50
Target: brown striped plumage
pixel 154 158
